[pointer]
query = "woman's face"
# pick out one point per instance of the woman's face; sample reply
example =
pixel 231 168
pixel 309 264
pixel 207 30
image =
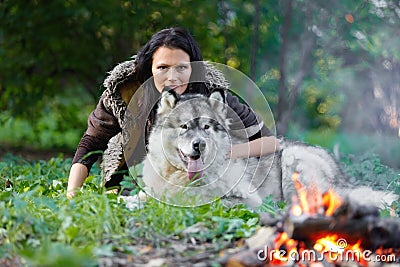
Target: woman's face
pixel 171 67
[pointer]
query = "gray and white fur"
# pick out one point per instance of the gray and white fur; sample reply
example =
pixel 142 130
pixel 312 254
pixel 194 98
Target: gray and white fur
pixel 191 138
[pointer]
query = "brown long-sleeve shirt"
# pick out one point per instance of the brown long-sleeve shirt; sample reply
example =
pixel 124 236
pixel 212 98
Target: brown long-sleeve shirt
pixel 103 125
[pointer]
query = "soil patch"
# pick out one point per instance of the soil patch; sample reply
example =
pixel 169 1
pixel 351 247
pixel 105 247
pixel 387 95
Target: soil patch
pixel 32 154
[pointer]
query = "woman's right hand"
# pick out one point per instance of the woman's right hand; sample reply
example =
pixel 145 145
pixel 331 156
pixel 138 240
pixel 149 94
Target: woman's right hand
pixel 77 177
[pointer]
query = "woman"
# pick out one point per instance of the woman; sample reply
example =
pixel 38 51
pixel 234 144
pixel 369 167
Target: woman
pixel 166 58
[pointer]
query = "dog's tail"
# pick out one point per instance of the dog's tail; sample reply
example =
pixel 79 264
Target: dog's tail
pixel 367 196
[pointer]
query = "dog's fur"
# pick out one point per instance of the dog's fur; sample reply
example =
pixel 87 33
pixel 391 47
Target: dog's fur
pixel 191 137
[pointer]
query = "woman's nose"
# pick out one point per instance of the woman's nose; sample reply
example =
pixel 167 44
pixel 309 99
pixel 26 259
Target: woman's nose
pixel 172 74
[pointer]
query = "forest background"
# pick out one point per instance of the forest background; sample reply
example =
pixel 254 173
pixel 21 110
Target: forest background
pixel 330 70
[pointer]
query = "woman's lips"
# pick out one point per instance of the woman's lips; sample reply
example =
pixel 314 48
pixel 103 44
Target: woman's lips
pixel 174 86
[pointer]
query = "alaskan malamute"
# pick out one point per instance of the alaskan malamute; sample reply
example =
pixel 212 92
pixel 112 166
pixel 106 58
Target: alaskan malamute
pixel 188 161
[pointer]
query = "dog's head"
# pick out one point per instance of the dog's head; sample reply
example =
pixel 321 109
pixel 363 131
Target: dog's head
pixel 193 129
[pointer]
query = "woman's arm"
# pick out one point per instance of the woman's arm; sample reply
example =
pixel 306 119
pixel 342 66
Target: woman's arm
pixel 77 177
pixel 102 125
pixel 85 157
pixel 261 141
pixel 258 147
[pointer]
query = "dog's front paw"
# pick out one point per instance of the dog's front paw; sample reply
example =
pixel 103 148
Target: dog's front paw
pixel 134 202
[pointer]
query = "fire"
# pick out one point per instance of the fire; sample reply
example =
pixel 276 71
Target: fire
pixel 337 249
pixel 331 202
pixel 282 241
pixel 311 201
pixel 332 248
pixel 326 245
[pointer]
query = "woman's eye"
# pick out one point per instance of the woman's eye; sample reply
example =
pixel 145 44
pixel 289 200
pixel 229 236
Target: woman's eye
pixel 162 67
pixel 183 126
pixel 181 68
pixel 206 127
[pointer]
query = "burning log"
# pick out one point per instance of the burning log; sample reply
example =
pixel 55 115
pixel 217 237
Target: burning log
pixel 350 221
pixel 323 226
pixel 374 232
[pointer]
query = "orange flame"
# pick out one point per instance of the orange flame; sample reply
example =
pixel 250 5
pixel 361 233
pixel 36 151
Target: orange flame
pixel 310 201
pixel 337 249
pixel 282 241
pixel 334 249
pixel 331 202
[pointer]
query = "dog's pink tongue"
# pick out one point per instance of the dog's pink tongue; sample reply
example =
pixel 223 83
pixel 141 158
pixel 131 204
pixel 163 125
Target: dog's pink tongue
pixel 195 168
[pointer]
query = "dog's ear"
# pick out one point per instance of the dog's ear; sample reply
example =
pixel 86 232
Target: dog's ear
pixel 168 100
pixel 217 97
pixel 218 94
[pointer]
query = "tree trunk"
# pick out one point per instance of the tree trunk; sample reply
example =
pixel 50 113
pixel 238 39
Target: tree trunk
pixel 254 41
pixel 288 93
pixel 224 18
pixel 282 121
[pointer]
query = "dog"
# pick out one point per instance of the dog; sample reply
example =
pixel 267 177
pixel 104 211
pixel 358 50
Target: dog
pixel 188 163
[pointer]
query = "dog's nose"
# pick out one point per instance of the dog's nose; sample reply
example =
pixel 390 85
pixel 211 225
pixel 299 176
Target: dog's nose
pixel 199 145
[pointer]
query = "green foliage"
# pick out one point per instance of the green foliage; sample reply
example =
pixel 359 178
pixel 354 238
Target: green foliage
pixel 368 170
pixel 321 102
pixel 351 143
pixel 57 254
pixel 272 207
pixel 54 57
pixel 40 225
pixel 219 224
pixel 60 124
pixel 48 47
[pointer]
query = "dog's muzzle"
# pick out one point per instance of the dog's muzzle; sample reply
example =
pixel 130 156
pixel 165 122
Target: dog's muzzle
pixel 194 160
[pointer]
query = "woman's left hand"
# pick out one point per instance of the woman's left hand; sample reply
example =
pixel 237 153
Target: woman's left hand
pixel 256 148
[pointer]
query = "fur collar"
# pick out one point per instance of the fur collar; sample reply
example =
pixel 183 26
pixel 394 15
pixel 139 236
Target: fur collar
pixel 119 74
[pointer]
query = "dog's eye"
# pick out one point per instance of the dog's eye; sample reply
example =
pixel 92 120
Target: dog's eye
pixel 183 126
pixel 206 127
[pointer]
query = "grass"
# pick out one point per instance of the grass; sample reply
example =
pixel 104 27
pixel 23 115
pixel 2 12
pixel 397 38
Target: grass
pixel 39 226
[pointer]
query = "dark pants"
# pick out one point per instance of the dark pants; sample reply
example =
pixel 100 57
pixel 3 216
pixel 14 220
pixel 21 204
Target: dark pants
pixel 117 178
